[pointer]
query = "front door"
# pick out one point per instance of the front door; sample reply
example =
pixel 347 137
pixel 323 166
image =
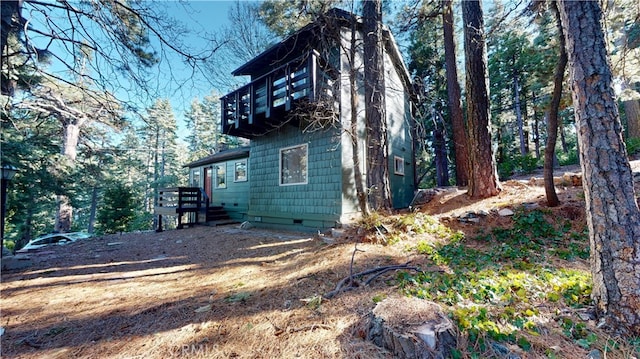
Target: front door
pixel 207 182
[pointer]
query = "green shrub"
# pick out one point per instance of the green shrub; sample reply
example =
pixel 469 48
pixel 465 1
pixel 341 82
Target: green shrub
pixel 566 159
pixel 117 210
pixel 633 146
pixel 506 169
pixel 527 163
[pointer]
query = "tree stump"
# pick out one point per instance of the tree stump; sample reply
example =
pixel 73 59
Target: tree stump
pixel 411 328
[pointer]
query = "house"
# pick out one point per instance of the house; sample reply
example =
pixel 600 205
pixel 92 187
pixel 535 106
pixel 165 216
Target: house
pixel 225 181
pixel 296 111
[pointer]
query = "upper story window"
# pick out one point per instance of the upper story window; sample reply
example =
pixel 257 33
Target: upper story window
pixel 398 165
pixel 221 176
pixel 293 165
pixel 240 174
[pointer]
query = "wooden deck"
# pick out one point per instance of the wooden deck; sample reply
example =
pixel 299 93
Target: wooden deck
pixel 191 206
pixel 184 202
pixel 257 107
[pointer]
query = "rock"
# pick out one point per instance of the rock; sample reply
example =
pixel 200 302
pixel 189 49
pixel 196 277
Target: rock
pixel 503 351
pixel 411 328
pixel 16 262
pixel 575 179
pixel 505 212
pixel 594 354
pixel 469 217
pixel 424 196
pixel 246 225
pixel 337 233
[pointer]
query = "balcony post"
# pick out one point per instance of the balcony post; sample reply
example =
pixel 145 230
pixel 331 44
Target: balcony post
pixel 252 105
pixel 269 88
pixel 287 88
pixel 236 113
pixel 313 80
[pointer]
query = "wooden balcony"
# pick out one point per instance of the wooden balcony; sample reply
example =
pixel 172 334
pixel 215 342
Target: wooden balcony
pixel 262 105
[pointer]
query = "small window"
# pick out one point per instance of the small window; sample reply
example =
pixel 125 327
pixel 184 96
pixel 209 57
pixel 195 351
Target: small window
pixel 293 165
pixel 398 165
pixel 195 178
pixel 240 174
pixel 221 176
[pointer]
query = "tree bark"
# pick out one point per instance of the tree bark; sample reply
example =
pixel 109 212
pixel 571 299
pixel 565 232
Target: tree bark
pixel 94 207
pixel 613 216
pixel 483 177
pixel 355 137
pixel 440 151
pixel 461 147
pixel 64 215
pixel 552 125
pixel 632 111
pixel 374 87
pixel 536 126
pixel 518 110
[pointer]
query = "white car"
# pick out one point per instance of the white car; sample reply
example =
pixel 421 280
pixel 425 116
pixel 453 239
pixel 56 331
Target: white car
pixel 54 238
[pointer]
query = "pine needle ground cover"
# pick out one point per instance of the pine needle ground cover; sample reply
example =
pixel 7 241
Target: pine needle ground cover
pixel 515 286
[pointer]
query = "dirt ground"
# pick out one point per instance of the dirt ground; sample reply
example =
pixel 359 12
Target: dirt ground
pixel 216 292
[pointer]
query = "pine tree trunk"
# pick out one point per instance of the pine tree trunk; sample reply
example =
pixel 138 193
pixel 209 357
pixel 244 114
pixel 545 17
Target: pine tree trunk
pixel 64 213
pixel 632 112
pixel 552 125
pixel 354 133
pixel 536 127
pixel 455 104
pixel 374 87
pixel 94 207
pixel 483 178
pixel 613 216
pixel 440 152
pixel 518 109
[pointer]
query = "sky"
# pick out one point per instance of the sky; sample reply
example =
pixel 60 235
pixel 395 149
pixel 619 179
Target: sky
pixel 202 17
pixel 173 79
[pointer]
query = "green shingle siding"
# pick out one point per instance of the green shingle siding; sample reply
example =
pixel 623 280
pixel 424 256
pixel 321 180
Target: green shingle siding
pixel 234 198
pixel 318 200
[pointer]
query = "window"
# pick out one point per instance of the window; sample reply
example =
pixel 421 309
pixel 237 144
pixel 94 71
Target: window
pixel 293 165
pixel 240 174
pixel 221 176
pixel 195 175
pixel 398 165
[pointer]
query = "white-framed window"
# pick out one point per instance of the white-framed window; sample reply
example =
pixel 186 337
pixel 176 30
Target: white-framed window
pixel 398 165
pixel 293 165
pixel 195 178
pixel 221 176
pixel 240 171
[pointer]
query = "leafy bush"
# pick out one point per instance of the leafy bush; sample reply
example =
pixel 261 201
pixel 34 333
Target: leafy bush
pixel 566 159
pixel 522 164
pixel 506 169
pixel 527 163
pixel 633 146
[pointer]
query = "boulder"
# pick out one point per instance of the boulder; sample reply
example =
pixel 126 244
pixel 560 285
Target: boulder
pixel 15 262
pixel 411 328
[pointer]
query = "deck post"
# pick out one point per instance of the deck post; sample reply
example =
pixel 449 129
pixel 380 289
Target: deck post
pixel 159 229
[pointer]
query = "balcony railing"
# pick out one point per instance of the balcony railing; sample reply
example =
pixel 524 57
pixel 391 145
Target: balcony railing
pixel 261 105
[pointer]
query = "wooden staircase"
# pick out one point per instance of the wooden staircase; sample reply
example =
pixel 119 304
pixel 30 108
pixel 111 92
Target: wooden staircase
pixel 216 216
pixel 191 206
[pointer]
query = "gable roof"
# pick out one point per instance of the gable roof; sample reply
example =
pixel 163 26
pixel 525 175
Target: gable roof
pixel 298 41
pixel 293 44
pixel 240 152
